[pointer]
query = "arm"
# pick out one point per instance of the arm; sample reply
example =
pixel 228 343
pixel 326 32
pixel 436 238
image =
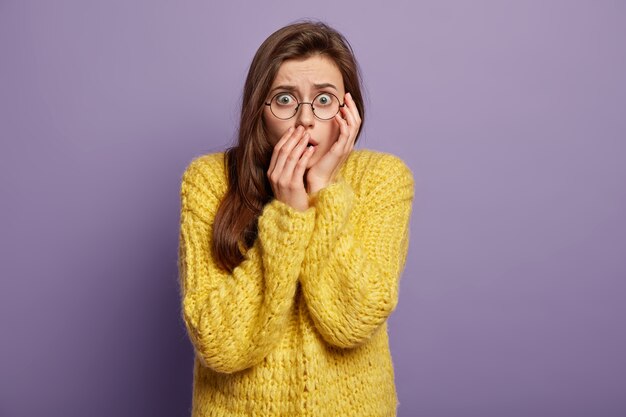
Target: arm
pixel 353 263
pixel 235 320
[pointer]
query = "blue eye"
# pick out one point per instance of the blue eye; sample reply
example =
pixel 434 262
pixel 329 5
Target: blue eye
pixel 324 100
pixel 284 99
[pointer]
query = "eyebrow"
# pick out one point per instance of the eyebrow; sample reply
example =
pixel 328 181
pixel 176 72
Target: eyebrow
pixel 293 87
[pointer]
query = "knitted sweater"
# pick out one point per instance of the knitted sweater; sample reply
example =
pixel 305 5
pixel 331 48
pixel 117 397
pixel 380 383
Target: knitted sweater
pixel 299 328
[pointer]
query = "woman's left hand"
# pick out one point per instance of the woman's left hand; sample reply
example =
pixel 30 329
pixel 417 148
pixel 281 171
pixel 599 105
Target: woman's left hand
pixel 325 170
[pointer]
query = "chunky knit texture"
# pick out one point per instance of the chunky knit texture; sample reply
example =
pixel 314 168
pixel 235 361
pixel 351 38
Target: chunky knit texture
pixel 299 328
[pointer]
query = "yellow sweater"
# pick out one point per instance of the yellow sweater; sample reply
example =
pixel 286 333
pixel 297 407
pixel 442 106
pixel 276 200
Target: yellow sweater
pixel 299 328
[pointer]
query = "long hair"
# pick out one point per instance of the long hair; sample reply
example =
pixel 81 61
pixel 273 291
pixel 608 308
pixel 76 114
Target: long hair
pixel 236 220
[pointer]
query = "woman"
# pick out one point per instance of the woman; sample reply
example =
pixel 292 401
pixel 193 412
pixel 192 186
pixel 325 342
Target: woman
pixel 292 244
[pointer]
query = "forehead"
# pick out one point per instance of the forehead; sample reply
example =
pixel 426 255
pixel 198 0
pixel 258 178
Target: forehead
pixel 317 69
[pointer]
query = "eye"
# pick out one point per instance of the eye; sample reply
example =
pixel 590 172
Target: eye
pixel 284 99
pixel 324 99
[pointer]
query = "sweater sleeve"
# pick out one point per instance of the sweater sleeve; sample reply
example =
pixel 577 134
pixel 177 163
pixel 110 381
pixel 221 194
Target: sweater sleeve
pixel 235 319
pixel 358 249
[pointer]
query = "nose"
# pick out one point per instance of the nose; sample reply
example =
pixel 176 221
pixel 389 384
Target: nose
pixel 305 116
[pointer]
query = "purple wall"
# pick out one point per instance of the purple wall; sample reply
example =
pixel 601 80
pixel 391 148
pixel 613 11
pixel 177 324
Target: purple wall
pixel 511 115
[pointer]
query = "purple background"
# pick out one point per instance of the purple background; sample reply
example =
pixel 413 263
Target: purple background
pixel 510 114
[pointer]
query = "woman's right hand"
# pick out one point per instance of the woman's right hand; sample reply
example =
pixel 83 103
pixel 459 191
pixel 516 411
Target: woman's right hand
pixel 287 166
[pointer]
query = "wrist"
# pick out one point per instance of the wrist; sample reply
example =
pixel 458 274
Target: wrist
pixel 315 187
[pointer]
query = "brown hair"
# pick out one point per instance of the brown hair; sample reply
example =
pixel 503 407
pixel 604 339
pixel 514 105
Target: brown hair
pixel 249 189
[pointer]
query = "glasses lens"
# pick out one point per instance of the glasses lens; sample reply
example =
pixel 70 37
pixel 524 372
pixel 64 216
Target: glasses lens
pixel 325 106
pixel 284 105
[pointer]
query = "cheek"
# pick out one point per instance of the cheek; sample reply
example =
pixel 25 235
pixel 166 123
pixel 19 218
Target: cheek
pixel 274 128
pixel 331 133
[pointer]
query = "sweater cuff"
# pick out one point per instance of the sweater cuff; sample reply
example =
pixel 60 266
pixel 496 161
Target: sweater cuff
pixel 288 225
pixel 339 196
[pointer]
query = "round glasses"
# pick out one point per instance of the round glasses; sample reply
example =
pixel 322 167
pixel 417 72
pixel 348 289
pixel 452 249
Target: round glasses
pixel 284 106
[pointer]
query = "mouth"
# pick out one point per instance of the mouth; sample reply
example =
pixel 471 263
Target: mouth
pixel 311 143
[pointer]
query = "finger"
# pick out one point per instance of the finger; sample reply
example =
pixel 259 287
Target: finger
pixel 344 130
pixel 298 172
pixel 347 111
pixel 354 122
pixel 277 147
pixel 350 122
pixel 354 108
pixel 285 137
pixel 353 113
pixel 286 148
pixel 294 155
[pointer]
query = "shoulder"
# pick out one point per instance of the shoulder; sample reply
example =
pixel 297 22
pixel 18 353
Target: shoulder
pixel 370 169
pixel 203 182
pixel 205 172
pixel 207 164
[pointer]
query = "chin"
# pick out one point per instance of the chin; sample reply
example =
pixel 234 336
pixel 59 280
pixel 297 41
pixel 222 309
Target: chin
pixel 316 156
pixel 312 161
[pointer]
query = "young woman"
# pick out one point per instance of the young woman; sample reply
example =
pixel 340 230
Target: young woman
pixel 292 244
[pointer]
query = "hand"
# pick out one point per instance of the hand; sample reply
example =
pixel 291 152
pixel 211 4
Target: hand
pixel 325 171
pixel 286 171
